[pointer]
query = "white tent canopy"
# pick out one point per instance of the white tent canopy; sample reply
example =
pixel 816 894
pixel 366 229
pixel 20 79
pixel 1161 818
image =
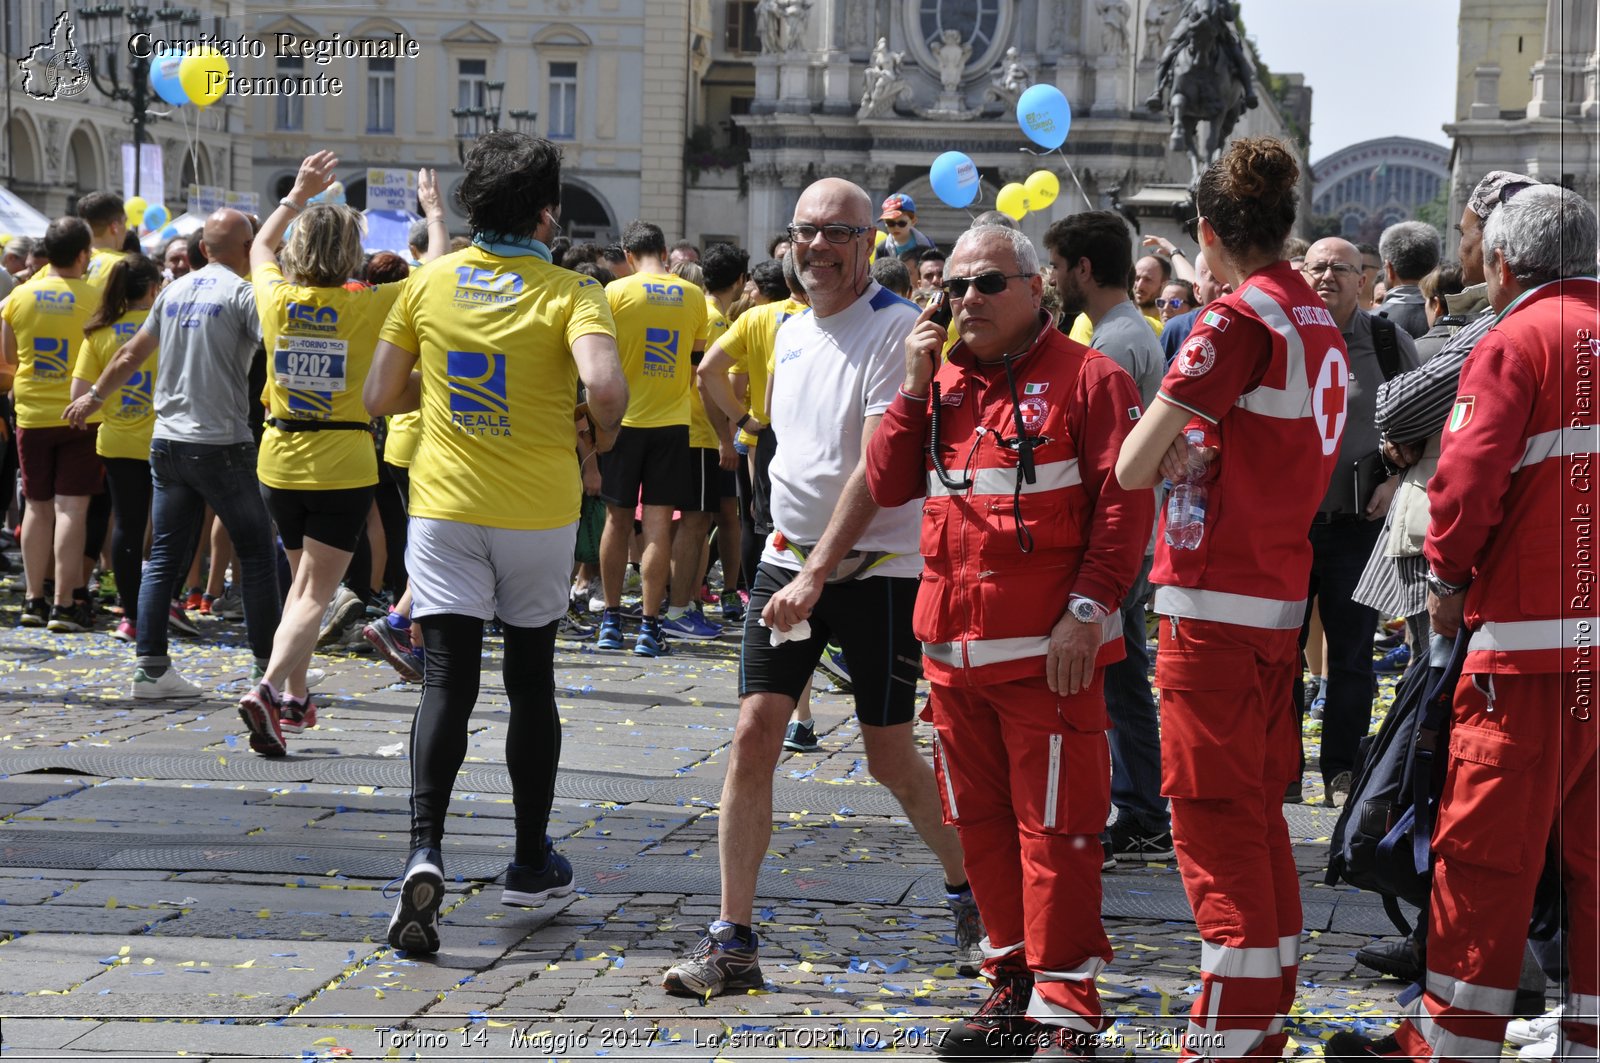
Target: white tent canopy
pixel 184 223
pixel 17 218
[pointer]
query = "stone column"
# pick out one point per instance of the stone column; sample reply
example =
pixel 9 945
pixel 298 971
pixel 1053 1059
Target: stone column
pixel 666 80
pixel 794 83
pixel 1486 92
pixel 878 178
pixel 766 99
pixel 766 204
pixel 836 95
pixel 1110 73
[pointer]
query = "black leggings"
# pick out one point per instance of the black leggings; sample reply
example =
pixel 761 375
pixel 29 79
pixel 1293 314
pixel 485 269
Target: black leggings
pixel 128 480
pixel 454 645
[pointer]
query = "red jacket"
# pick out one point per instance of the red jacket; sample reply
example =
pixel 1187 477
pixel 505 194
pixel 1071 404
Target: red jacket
pixel 985 607
pixel 1513 504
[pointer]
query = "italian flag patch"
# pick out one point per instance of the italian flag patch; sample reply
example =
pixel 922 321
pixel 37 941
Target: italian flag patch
pixel 1461 415
pixel 1215 320
pixel 1035 389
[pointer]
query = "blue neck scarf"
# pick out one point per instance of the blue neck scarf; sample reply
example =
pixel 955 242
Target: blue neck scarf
pixel 511 246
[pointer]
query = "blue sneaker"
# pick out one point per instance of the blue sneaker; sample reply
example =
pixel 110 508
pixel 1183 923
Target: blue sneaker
pixel 529 888
pixel 414 927
pixel 610 631
pixel 1396 660
pixel 833 666
pixel 652 642
pixel 691 625
pixel 732 608
pixel 801 737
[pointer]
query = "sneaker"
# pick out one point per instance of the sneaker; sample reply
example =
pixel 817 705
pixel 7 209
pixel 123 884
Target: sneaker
pixel 1388 640
pixel 1132 843
pixel 801 737
pixel 206 601
pixel 168 684
pixel 969 932
pixel 1319 705
pixel 1294 794
pixel 260 710
pixel 691 625
pixel 1339 784
pixel 1000 1029
pixel 1405 959
pixel 126 631
pixel 574 626
pixel 295 716
pixel 833 666
pixel 194 599
pixel 229 605
pixel 1346 1045
pixel 1526 1032
pixel 345 608
pixel 1396 660
pixel 732 608
pixel 387 640
pixel 527 888
pixel 71 618
pixel 35 613
pixel 719 963
pixel 178 620
pixel 610 630
pixel 1540 1051
pixel 414 927
pixel 1058 1042
pixel 652 643
pixel 597 603
pixel 105 587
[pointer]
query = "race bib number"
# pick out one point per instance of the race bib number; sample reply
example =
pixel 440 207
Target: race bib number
pixel 309 363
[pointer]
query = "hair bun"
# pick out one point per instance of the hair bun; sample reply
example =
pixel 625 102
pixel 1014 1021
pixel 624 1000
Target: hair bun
pixel 1260 168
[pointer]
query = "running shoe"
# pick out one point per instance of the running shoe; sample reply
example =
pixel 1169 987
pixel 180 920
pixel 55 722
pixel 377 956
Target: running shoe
pixel 833 666
pixel 194 599
pixel 529 888
pixel 414 927
pixel 652 642
pixel 1396 660
pixel 260 710
pixel 35 613
pixel 295 716
pixel 574 626
pixel 732 608
pixel 126 631
pixel 801 737
pixel 969 932
pixel 229 605
pixel 168 684
pixel 720 962
pixel 691 625
pixel 71 618
pixel 178 620
pixel 610 630
pixel 395 648
pixel 345 608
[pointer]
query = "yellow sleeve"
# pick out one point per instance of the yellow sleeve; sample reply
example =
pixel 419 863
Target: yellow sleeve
pixel 590 312
pixel 1082 329
pixel 1155 323
pixel 734 341
pixel 400 326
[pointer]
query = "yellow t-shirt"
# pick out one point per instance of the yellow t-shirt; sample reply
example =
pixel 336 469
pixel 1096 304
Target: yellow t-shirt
pixel 701 434
pixel 48 317
pixel 748 342
pixel 660 319
pixel 129 413
pixel 319 345
pixel 1083 328
pixel 100 264
pixel 405 430
pixel 494 337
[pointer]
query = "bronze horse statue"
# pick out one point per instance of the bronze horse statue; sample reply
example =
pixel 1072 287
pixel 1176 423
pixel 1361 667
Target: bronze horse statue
pixel 1210 80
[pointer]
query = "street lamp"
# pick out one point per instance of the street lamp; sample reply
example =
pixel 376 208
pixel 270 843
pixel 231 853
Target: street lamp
pixel 119 24
pixel 474 122
pixel 525 120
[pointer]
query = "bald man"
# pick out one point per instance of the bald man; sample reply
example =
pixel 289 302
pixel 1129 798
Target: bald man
pixel 203 452
pixel 838 568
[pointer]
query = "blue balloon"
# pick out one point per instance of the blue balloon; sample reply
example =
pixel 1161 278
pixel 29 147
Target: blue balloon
pixel 1045 116
pixel 164 76
pixel 155 216
pixel 954 178
pixel 169 232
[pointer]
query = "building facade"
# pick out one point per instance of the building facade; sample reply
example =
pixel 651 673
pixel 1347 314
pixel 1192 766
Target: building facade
pixel 1369 186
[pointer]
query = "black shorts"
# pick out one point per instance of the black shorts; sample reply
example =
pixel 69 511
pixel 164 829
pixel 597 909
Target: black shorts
pixel 650 465
pixel 712 483
pixel 335 518
pixel 869 618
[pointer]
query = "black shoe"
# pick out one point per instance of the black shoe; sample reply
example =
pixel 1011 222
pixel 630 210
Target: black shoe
pixel 1295 794
pixel 35 613
pixel 71 618
pixel 1132 842
pixel 414 927
pixel 1352 1046
pixel 1405 959
pixel 1001 1028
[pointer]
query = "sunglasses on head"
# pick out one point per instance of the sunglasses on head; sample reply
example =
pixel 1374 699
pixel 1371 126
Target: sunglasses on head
pixel 991 283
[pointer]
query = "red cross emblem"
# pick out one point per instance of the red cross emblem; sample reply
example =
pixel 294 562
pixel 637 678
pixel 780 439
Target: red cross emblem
pixel 1328 397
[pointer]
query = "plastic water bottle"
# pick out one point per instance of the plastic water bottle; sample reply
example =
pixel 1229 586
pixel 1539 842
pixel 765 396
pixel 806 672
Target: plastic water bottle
pixel 1186 505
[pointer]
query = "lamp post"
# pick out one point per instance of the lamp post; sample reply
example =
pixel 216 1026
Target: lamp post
pixel 110 27
pixel 474 122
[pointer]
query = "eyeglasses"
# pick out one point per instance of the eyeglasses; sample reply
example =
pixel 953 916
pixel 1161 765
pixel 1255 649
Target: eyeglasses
pixel 1172 304
pixel 1343 269
pixel 834 234
pixel 991 283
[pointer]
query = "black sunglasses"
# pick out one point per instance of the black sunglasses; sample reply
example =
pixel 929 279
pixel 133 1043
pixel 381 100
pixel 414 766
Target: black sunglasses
pixel 991 283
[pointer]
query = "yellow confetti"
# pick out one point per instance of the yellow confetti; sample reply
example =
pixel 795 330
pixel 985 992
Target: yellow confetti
pixel 265 913
pixel 124 950
pixel 368 790
pixel 246 963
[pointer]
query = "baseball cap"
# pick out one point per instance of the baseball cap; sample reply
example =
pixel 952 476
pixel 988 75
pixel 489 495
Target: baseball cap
pixel 1486 196
pixel 896 205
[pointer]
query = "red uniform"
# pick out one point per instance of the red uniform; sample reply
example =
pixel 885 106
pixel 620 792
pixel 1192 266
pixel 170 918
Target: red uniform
pixel 1024 773
pixel 1513 508
pixel 1265 371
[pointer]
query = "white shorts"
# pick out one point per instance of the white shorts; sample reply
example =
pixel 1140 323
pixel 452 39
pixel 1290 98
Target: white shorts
pixel 523 577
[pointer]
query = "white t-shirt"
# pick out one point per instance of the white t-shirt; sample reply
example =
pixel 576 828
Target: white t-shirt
pixel 830 374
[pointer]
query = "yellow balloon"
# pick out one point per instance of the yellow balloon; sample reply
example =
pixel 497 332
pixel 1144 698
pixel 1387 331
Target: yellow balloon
pixel 1043 188
pixel 134 209
pixel 204 76
pixel 1012 201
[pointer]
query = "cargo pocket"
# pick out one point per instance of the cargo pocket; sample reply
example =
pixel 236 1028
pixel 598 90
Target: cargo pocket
pixel 1213 724
pixel 1071 770
pixel 1483 813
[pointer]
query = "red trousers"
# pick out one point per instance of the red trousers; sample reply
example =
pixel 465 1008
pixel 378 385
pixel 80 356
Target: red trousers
pixel 1520 784
pixel 1025 778
pixel 1230 745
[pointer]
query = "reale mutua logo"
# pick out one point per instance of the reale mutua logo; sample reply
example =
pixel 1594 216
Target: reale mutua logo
pixel 54 69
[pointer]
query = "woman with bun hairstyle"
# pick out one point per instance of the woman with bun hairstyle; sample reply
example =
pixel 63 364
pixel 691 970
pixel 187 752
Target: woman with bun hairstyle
pixel 123 441
pixel 1261 379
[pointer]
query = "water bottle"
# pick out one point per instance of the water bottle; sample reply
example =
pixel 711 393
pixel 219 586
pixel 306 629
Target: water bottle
pixel 1186 505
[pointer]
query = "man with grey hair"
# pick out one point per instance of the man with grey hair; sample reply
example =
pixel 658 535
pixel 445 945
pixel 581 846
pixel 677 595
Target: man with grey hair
pixel 1030 546
pixel 417 240
pixel 1410 251
pixel 1512 521
pixel 837 566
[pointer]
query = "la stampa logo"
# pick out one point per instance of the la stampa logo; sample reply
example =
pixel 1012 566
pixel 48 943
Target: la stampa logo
pixel 54 69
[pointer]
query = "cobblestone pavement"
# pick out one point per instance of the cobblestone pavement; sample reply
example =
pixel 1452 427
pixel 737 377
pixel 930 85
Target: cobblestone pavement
pixel 165 893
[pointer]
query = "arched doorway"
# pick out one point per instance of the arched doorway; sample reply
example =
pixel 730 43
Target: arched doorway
pixel 584 216
pixel 82 165
pixel 24 149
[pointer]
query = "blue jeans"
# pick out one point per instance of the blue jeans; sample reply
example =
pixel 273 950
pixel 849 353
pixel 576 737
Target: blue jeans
pixel 186 478
pixel 1339 553
pixel 1135 735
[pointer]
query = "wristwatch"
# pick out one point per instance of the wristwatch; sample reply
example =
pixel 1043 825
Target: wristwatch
pixel 1444 589
pixel 1086 610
